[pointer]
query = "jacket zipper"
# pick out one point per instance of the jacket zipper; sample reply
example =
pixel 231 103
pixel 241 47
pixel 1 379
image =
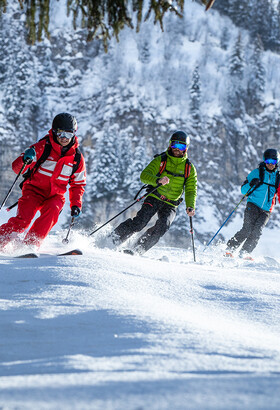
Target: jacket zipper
pixel 266 194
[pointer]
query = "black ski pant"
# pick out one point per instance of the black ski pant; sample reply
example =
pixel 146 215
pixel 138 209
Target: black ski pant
pixel 255 220
pixel 165 213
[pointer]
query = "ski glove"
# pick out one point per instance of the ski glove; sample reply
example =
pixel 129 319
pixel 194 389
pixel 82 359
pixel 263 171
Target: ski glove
pixel 255 181
pixel 75 211
pixel 29 155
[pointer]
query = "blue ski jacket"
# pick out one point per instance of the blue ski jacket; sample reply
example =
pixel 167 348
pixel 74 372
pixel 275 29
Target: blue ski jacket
pixel 265 195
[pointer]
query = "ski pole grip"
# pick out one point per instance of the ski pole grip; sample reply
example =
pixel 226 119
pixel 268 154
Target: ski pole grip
pixel 27 161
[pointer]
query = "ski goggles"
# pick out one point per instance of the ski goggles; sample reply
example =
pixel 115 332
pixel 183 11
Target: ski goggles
pixel 178 145
pixel 65 134
pixel 271 161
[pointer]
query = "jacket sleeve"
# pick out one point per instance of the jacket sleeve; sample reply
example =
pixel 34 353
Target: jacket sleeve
pixel 77 185
pixel 149 174
pixel 278 193
pixel 246 184
pixel 191 188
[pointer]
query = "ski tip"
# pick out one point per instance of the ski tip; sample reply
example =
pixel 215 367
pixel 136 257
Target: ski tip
pixel 72 252
pixel 228 255
pixel 248 258
pixel 27 256
pixel 128 252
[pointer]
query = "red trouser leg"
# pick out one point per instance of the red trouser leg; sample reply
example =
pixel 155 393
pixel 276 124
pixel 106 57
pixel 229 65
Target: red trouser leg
pixel 50 211
pixel 28 205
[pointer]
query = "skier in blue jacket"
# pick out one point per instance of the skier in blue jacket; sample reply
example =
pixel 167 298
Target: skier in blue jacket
pixel 264 184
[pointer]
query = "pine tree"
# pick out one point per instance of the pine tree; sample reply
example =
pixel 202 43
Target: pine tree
pixel 225 38
pixel 236 92
pixel 105 176
pixel 258 17
pixel 144 51
pixel 262 18
pixel 133 172
pixel 237 59
pixel 274 34
pixel 126 155
pixel 21 96
pixel 195 97
pixel 256 83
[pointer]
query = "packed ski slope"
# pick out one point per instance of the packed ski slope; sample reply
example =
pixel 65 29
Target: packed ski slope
pixel 111 331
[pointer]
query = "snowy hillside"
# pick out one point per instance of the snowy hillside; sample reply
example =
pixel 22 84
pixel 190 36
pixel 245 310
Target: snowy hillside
pixel 111 331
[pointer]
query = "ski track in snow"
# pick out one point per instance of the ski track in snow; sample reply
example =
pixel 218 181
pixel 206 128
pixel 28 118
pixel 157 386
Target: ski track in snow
pixel 111 331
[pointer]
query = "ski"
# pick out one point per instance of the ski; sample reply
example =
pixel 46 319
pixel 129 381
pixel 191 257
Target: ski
pixel 128 252
pixel 28 256
pixel 35 255
pixel 72 252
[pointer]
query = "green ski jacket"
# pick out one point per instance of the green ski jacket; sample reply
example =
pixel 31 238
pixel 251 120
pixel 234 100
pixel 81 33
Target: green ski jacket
pixel 175 188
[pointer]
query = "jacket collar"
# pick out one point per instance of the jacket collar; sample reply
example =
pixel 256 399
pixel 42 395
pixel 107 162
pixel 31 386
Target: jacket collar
pixel 177 160
pixel 70 149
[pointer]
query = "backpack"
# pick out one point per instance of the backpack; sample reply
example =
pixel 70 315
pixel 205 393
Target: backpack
pixel 47 150
pixel 162 167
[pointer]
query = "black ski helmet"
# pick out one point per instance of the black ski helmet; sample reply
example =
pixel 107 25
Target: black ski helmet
pixel 271 153
pixel 65 122
pixel 180 136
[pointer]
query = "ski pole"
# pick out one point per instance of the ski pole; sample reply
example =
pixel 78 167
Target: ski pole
pixel 10 190
pixel 191 231
pixel 232 212
pixel 11 207
pixel 72 223
pixel 133 203
pixel 209 4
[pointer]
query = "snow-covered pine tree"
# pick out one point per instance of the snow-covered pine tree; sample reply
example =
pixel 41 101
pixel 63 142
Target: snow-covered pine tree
pixel 255 16
pixel 256 82
pixel 105 169
pixel 195 98
pixel 144 52
pixel 225 38
pixel 126 156
pixel 236 92
pixel 262 16
pixel 140 161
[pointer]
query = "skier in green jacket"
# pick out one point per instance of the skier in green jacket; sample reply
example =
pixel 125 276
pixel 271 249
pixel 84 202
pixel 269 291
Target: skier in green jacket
pixel 174 173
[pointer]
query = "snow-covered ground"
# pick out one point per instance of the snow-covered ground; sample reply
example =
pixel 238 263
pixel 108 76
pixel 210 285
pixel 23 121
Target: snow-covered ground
pixel 111 331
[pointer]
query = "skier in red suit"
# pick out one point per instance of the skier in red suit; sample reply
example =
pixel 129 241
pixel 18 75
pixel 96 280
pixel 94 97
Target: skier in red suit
pixel 46 183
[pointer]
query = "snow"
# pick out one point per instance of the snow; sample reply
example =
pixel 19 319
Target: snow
pixel 111 331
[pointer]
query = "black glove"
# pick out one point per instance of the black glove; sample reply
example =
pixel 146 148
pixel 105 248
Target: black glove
pixel 255 181
pixel 75 211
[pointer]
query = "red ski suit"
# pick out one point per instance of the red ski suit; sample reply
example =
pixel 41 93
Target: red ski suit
pixel 45 192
